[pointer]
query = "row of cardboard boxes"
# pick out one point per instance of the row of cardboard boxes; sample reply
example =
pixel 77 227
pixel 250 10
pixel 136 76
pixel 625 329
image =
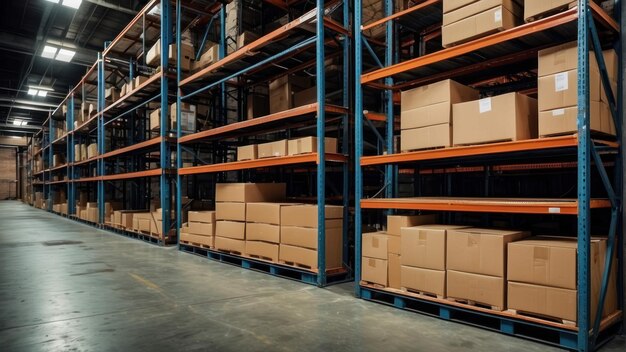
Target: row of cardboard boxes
pixel 284 147
pixel 447 113
pixel 499 269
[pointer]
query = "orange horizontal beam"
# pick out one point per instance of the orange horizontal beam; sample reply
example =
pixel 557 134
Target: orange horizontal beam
pixel 57 182
pixel 491 205
pixel 60 138
pixel 87 179
pixel 130 25
pixel 147 82
pixel 375 116
pixel 399 14
pixel 603 16
pixel 134 147
pixel 85 161
pixel 58 167
pixel 89 121
pixel 455 51
pixel 129 175
pixel 260 163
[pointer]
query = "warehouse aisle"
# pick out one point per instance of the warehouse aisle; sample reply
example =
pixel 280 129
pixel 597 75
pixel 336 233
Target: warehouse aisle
pixel 67 286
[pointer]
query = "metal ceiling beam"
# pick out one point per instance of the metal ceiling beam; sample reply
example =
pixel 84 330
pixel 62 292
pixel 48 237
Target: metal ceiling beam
pixel 24 107
pixel 108 5
pixel 27 102
pixel 23 45
pixel 27 128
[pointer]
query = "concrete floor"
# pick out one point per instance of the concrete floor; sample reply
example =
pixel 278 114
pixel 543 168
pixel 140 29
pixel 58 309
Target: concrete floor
pixel 69 287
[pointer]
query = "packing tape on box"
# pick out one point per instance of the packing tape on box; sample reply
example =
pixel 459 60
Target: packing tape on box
pixel 558 112
pixel 541 253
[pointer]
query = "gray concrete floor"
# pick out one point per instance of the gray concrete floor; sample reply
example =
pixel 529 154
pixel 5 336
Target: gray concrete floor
pixel 69 287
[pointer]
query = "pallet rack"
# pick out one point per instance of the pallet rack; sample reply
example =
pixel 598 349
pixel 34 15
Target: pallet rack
pixel 303 43
pixel 381 72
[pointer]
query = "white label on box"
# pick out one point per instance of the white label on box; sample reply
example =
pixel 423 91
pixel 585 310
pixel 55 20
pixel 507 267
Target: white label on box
pixel 497 16
pixel 558 112
pixel 554 210
pixel 560 82
pixel 484 105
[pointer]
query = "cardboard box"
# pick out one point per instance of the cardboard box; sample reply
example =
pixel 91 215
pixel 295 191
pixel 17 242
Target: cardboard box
pixel 483 289
pixel 396 222
pixel 246 38
pixel 451 5
pixel 307 237
pixel 250 192
pixel 436 136
pixel 511 116
pixel 272 149
pixel 490 21
pixel 188 117
pixel 139 80
pixel 153 57
pixel 206 241
pixel 374 270
pixel 257 105
pixel 543 300
pixel 209 57
pixel 479 251
pixel 534 8
pixel 425 246
pixel 560 90
pixel 201 228
pixel 230 244
pixel 230 229
pixel 446 91
pixel 207 216
pixel 374 245
pixel 308 257
pixel 305 97
pixel 393 270
pixel 92 151
pixel 481 6
pixel 247 152
pixel 565 120
pixel 266 213
pixel 155 119
pixel 235 211
pixel 263 232
pixel 309 145
pixel 305 215
pixel 77 155
pixel 111 94
pixel 263 250
pixel 282 89
pixel 423 280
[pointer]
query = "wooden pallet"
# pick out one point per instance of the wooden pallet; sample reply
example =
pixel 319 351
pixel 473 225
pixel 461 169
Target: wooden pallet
pixel 260 257
pixel 229 251
pixel 329 271
pixel 422 293
pixel 484 143
pixel 470 302
pixel 541 316
pixel 422 149
pixel 373 284
pixel 552 12
pixel 194 244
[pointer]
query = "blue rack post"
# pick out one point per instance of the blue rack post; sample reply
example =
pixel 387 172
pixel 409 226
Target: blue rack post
pixel 100 137
pixel 320 71
pixel 165 155
pixel 358 143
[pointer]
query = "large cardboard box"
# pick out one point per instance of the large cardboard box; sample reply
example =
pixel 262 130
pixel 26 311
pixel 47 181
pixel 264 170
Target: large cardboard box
pixel 92 150
pixel 304 97
pixel 374 245
pixel 308 257
pixel 230 229
pixel 272 149
pixel 543 300
pixel 187 117
pixel 483 289
pixel 235 211
pixel 266 213
pixel 263 232
pixel 479 251
pixel 139 80
pixel 196 239
pixel 396 222
pixel 206 59
pixel 201 228
pixel 309 145
pixel 257 106
pixel 155 119
pixel 490 21
pixel 305 215
pixel 230 244
pixel 534 8
pixel 425 246
pixel 264 250
pixel 247 152
pixel 250 192
pixel 307 236
pixel 560 90
pixel 111 94
pixel 393 270
pixel 246 38
pixel 423 280
pixel 282 89
pixel 374 270
pixel 153 57
pixel 207 216
pixel 451 5
pixel 481 6
pixel 511 116
pixel 436 136
pixel 431 104
pixel 565 120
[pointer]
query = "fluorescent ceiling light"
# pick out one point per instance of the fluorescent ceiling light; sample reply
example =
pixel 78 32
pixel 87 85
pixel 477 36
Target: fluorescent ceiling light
pixel 65 55
pixel 75 4
pixel 49 52
pixel 53 1
pixel 17 122
pixel 42 93
pixel 49 89
pixel 32 91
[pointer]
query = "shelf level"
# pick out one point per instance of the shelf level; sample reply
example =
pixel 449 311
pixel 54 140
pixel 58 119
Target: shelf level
pixel 136 147
pixel 130 175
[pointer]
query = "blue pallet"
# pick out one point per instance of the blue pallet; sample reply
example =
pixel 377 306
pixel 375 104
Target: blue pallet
pixel 134 235
pixel 274 269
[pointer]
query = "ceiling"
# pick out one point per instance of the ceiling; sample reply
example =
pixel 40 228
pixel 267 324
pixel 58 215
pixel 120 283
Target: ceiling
pixel 26 26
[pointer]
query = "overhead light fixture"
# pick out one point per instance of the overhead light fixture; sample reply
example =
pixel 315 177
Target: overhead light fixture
pixel 75 4
pixel 49 52
pixel 18 122
pixel 53 1
pixel 65 55
pixel 39 91
pixel 32 91
pixel 42 93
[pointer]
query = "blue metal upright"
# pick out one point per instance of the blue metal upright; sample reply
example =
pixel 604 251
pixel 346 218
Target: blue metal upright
pixel 71 157
pixel 320 73
pixel 358 142
pixel 165 154
pixel 100 139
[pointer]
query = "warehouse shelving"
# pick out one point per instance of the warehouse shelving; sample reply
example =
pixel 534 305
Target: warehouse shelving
pixel 312 34
pixel 381 72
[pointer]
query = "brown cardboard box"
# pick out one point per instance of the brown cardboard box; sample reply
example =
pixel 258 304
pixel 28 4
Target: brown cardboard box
pixel 446 91
pixel 308 257
pixel 201 228
pixel 196 239
pixel 483 289
pixel 250 192
pixel 188 117
pixel 394 244
pixel 246 38
pixel 235 211
pixel 479 7
pixel 92 150
pixel 425 246
pixel 272 149
pixel 230 244
pixel 262 249
pixel 396 222
pixel 309 145
pixel 543 300
pixel 375 245
pixel 263 232
pixel 374 270
pixel 282 89
pixel 247 152
pixel 112 94
pixel 451 5
pixel 266 213
pixel 77 156
pixel 230 229
pixel 535 8
pixel 509 116
pixel 479 25
pixel 92 214
pixel 479 251
pixel 155 119
pixel 305 215
pixel 560 90
pixel 139 80
pixel 257 105
pixel 153 57
pixel 393 270
pixel 206 59
pixel 207 216
pixel 304 97
pixel 565 120
pixel 423 280
pixel 435 136
pixel 307 236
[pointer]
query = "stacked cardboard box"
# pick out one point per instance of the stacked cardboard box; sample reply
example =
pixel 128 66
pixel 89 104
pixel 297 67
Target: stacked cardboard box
pixel 307 145
pixel 476 265
pixel 230 210
pixel 542 277
pixel 92 150
pixel 111 94
pixel 200 229
pixel 247 152
pixel 142 222
pixel 282 90
pixel 464 20
pixel 153 57
pixel 534 9
pixel 207 58
pixel 90 212
pixel 284 147
pixel 423 258
pixel 263 222
pixel 558 91
pixel 506 117
pixel 375 261
pixel 299 236
pixel 187 122
pixel 426 114
pixel 124 218
pixel 272 149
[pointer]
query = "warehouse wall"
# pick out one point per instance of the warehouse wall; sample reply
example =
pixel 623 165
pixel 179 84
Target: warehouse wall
pixel 8 173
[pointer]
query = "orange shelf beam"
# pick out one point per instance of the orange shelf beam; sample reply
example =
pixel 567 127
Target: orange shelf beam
pixel 134 147
pixel 129 175
pixel 399 14
pixel 57 182
pixel 375 116
pixel 58 167
pixel 483 205
pixel 260 163
pixel 121 100
pixel 87 179
pixel 130 25
pixel 84 161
